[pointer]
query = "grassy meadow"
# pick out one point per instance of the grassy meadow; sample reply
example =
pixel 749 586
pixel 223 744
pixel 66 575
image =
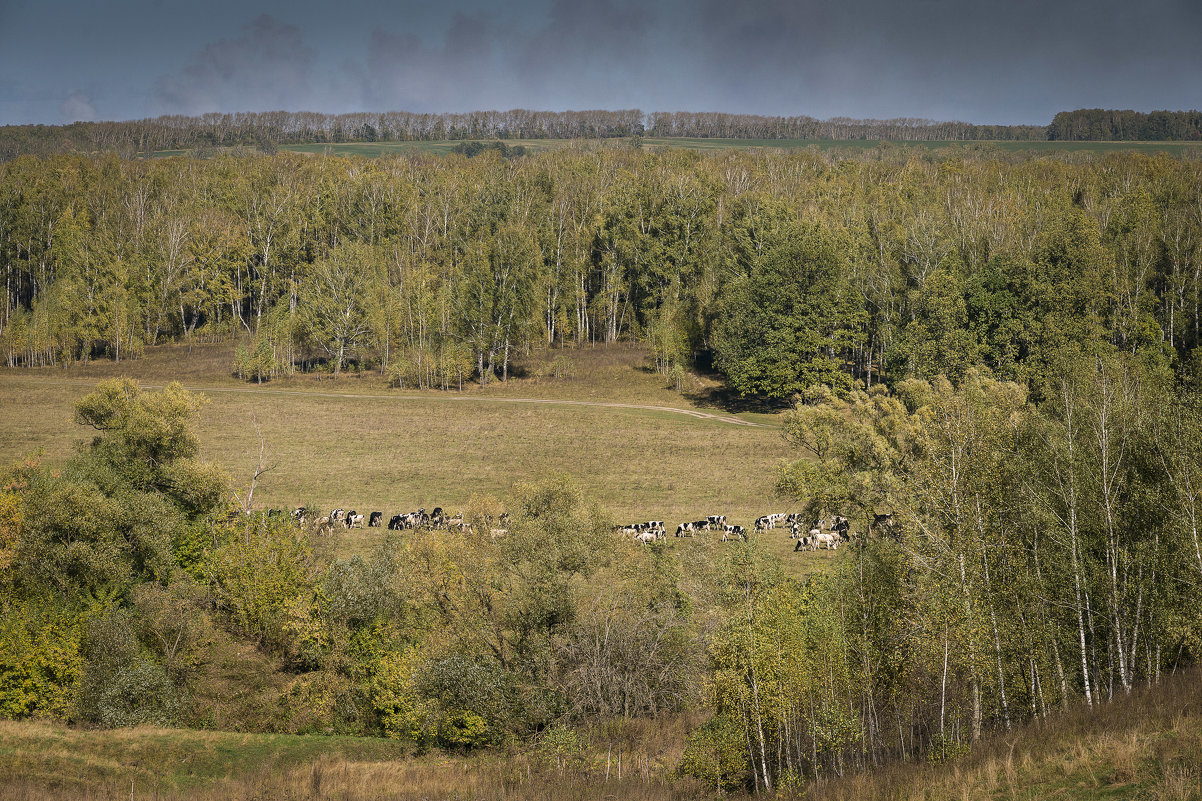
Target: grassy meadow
pixel 641 451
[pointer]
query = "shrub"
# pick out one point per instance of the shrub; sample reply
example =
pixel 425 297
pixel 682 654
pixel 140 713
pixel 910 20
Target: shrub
pixel 356 591
pixel 173 624
pixel 261 573
pixel 716 754
pixel 119 685
pixel 257 363
pixel 39 660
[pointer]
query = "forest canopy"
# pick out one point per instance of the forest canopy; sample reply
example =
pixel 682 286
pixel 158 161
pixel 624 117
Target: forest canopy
pixel 780 269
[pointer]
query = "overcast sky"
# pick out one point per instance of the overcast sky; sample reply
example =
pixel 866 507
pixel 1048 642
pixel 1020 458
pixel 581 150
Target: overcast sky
pixel 984 61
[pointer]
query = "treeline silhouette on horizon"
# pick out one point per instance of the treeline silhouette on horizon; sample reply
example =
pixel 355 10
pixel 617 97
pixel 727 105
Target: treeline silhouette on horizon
pixel 268 130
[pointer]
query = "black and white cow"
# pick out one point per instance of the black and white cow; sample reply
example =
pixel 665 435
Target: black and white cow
pixel 375 520
pixel 804 543
pixel 354 519
pixel 686 530
pixel 338 516
pixel 396 523
pixel 733 533
pixel 656 527
pixel 716 521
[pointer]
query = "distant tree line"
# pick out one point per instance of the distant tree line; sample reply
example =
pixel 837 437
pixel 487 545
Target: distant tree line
pixel 1099 124
pixel 751 126
pixel 268 130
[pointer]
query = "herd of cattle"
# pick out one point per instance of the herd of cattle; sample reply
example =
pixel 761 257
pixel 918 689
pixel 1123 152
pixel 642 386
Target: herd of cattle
pixel 810 534
pixel 407 520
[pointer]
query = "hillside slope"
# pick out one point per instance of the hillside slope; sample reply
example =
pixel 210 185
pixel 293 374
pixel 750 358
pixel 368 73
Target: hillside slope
pixel 1146 746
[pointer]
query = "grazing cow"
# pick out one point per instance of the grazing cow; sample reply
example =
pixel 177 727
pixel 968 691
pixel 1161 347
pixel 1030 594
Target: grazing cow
pixel 301 515
pixel 354 519
pixel 375 520
pixel 716 521
pixel 337 516
pixel 840 524
pixel 763 523
pixel 437 517
pixel 685 530
pixel 882 521
pixel 778 519
pixel 644 537
pixel 409 520
pixel 656 527
pixel 828 541
pixel 805 543
pixel 733 533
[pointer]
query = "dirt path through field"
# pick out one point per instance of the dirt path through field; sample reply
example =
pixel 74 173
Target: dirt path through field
pixel 695 413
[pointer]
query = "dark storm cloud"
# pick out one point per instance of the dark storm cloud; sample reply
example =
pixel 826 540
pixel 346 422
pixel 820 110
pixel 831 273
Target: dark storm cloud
pixel 584 54
pixel 595 53
pixel 975 60
pixel 1014 61
pixel 460 73
pixel 266 67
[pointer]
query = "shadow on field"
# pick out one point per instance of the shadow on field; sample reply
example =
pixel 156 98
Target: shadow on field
pixel 712 392
pixel 727 400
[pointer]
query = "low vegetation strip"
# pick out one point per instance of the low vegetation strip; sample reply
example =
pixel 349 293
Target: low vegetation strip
pixel 1144 746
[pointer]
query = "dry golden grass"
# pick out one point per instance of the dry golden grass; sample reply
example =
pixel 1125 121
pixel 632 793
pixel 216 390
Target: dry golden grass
pixel 353 443
pixel 631 760
pixel 1144 746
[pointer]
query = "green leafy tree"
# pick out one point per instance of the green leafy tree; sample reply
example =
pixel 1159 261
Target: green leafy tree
pixel 785 326
pixel 335 301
